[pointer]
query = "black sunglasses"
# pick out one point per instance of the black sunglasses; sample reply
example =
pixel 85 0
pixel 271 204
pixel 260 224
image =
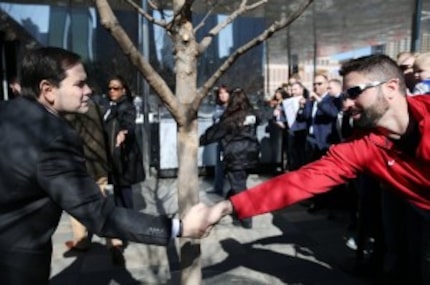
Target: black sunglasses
pixel 114 88
pixel 405 67
pixel 353 92
pixel 318 83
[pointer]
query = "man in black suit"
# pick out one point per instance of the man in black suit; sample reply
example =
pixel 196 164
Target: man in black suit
pixel 42 173
pixel 320 113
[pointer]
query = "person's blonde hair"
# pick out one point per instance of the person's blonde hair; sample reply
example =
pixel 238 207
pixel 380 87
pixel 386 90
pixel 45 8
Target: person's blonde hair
pixel 404 56
pixel 423 60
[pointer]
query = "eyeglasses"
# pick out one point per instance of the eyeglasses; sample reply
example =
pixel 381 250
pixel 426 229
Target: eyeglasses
pixel 405 67
pixel 318 83
pixel 353 92
pixel 114 88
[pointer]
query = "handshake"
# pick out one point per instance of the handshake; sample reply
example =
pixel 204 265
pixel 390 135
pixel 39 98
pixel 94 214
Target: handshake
pixel 200 219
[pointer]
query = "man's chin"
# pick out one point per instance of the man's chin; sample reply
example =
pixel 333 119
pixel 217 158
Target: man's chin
pixel 364 123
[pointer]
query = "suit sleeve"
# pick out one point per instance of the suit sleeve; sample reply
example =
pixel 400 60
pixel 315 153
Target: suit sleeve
pixel 328 107
pixel 341 164
pixel 62 174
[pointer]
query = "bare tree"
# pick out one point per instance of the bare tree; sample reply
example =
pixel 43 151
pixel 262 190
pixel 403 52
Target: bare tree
pixel 184 106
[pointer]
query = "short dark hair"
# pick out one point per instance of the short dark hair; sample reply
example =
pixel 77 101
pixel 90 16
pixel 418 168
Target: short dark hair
pixel 283 93
pixel 378 67
pixel 46 63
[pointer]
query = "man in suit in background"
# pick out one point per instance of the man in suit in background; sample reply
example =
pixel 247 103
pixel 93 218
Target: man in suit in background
pixel 320 112
pixel 42 173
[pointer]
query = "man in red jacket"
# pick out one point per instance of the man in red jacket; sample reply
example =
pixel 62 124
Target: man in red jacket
pixel 394 146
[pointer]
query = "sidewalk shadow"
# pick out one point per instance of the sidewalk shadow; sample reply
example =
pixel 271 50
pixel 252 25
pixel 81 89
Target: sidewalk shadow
pixel 301 243
pixel 288 269
pixel 93 267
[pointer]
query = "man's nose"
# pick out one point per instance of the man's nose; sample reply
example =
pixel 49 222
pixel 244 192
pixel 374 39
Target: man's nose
pixel 87 90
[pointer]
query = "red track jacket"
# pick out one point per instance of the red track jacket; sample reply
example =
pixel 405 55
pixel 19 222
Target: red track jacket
pixel 372 153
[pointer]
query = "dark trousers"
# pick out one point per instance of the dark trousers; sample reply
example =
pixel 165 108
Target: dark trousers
pixel 407 241
pixel 322 200
pixel 369 220
pixel 313 152
pixel 237 180
pixel 296 149
pixel 123 196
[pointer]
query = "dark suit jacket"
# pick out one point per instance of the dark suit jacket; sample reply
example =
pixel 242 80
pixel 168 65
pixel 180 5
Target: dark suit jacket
pixel 42 172
pixel 324 122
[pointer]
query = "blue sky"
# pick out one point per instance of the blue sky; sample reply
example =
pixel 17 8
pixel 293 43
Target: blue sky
pixel 353 53
pixel 37 13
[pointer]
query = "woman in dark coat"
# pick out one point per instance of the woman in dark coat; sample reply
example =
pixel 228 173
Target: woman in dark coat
pixel 127 167
pixel 237 132
pixel 119 119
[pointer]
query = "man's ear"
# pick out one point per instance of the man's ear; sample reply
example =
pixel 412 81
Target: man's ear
pixel 47 91
pixel 392 87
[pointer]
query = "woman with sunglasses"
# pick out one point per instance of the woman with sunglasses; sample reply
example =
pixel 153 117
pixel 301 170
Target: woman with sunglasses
pixel 127 167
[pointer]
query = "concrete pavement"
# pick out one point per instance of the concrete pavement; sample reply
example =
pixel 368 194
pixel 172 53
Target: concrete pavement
pixel 290 246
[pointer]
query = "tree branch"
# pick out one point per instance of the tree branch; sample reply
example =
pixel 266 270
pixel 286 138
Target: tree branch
pixel 152 5
pixel 269 32
pixel 243 8
pixel 110 22
pixel 202 22
pixel 145 14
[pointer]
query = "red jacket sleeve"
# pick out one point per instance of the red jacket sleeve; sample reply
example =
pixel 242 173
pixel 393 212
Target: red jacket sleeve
pixel 341 163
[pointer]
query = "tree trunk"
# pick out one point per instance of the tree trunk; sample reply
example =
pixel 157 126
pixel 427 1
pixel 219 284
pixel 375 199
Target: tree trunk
pixel 188 195
pixel 188 190
pixel 184 106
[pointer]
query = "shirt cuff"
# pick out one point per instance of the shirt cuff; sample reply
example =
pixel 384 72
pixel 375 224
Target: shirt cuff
pixel 176 228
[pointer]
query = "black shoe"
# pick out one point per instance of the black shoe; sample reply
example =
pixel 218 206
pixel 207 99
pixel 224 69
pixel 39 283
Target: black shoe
pixel 116 253
pixel 246 223
pixel 73 250
pixel 80 246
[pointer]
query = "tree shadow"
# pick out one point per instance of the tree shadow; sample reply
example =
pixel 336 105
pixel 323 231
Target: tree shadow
pixel 288 269
pixel 154 199
pixel 93 267
pixel 312 258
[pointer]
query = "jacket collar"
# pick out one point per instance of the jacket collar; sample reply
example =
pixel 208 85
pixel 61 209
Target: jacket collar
pixel 419 106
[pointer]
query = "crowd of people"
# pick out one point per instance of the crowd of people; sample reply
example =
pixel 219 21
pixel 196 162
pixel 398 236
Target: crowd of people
pixel 385 230
pixel 370 138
